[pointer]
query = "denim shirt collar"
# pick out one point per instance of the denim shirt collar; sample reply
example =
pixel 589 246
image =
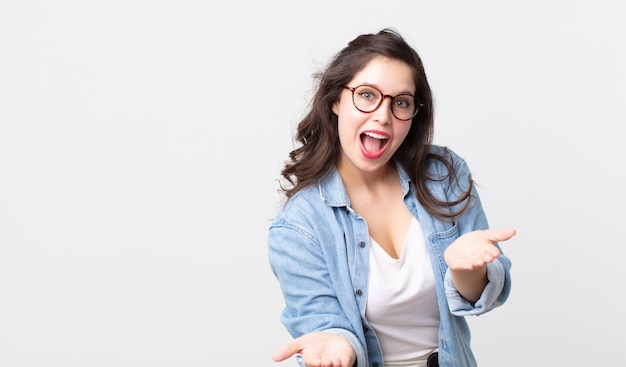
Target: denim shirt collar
pixel 333 191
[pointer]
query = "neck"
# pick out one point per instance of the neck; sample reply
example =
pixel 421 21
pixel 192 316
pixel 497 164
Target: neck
pixel 355 179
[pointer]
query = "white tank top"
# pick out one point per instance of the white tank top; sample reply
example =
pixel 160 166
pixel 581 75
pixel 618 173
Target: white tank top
pixel 402 301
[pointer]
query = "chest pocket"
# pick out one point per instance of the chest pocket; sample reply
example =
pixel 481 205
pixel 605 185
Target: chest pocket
pixel 441 240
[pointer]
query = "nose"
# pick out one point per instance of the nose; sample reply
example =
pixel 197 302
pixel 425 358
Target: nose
pixel 383 112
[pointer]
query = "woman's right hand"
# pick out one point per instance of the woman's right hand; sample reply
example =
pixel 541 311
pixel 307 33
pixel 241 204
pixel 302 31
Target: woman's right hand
pixel 319 349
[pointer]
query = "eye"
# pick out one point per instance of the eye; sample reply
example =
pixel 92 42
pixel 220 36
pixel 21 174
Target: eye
pixel 368 95
pixel 403 102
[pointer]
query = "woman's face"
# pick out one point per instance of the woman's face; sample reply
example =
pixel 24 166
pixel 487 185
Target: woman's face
pixel 369 140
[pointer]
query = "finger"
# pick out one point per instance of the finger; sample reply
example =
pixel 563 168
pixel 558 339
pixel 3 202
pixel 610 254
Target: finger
pixel 345 361
pixel 336 362
pixel 497 235
pixel 490 253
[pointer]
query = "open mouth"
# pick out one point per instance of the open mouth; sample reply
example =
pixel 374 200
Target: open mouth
pixel 373 144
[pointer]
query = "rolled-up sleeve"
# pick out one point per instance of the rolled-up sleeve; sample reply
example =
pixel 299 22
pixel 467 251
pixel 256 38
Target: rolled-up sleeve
pixel 495 293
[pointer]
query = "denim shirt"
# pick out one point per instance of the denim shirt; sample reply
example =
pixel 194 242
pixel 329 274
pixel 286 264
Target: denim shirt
pixel 319 252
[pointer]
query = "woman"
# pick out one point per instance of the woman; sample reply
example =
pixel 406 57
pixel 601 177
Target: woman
pixel 382 246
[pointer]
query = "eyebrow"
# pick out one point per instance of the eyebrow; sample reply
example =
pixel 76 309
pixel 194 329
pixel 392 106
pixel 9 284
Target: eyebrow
pixel 379 88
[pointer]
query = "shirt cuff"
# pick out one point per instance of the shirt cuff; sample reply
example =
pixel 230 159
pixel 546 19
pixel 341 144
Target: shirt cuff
pixel 461 307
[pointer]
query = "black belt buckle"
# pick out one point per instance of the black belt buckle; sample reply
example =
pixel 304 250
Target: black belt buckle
pixel 433 360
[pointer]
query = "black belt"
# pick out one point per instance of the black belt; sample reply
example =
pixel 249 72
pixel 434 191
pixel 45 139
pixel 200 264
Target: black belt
pixel 433 360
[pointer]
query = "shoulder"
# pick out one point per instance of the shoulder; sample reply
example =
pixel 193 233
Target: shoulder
pixel 442 159
pixel 303 209
pixel 445 152
pixel 307 217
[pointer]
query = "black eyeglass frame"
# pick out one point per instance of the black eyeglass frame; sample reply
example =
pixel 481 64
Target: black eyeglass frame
pixel 417 104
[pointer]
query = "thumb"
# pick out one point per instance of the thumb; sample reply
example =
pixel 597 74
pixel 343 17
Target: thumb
pixel 286 351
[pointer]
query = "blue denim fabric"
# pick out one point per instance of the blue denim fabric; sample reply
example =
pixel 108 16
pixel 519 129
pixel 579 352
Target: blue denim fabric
pixel 319 252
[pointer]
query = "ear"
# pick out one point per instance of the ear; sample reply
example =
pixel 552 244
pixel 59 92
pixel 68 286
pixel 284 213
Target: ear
pixel 336 108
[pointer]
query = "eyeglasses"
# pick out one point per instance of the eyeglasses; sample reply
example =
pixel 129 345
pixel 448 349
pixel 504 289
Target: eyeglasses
pixel 367 98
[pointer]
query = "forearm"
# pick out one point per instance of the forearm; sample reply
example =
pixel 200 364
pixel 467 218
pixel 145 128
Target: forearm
pixel 470 283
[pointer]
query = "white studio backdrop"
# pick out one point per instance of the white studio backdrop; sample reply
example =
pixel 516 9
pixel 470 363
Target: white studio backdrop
pixel 140 142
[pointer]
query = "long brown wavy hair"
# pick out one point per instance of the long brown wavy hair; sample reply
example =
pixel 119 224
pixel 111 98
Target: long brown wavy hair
pixel 317 133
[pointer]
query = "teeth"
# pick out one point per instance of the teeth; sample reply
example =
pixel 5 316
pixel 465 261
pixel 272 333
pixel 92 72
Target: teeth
pixel 375 136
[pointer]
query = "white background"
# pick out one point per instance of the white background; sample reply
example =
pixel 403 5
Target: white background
pixel 140 142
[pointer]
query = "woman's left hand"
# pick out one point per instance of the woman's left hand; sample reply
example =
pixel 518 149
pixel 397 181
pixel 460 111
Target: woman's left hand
pixel 476 249
pixel 467 258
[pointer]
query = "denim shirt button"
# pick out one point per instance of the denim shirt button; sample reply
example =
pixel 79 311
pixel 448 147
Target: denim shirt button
pixel 358 292
pixel 361 244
